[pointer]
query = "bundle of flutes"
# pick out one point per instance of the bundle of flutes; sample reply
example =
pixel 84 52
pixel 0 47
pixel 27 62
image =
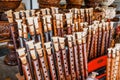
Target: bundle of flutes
pixel 113 63
pixel 55 51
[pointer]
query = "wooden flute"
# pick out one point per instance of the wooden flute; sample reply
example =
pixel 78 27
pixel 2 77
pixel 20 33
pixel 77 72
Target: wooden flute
pixel 103 39
pixel 84 53
pixel 109 63
pixel 112 64
pixel 25 64
pixel 42 63
pixel 50 60
pixel 80 52
pixel 58 59
pixel 99 39
pixel 64 58
pixel 76 56
pixel 71 57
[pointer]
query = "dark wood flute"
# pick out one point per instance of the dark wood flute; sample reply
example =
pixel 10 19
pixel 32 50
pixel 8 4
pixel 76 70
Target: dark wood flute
pixel 76 55
pixel 64 58
pixel 107 36
pixel 50 60
pixel 35 64
pixel 99 39
pixel 109 63
pixel 29 48
pixel 58 59
pixel 40 52
pixel 81 62
pixel 85 53
pixel 103 40
pixel 89 36
pixel 95 41
pixel 25 65
pixel 71 57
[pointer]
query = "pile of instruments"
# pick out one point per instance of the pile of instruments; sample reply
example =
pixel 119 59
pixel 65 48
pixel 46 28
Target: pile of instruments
pixel 59 45
pixel 113 63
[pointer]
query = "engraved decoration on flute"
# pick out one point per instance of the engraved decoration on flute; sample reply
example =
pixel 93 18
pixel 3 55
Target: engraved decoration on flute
pixel 25 65
pixel 50 60
pixel 71 57
pixel 64 57
pixel 58 59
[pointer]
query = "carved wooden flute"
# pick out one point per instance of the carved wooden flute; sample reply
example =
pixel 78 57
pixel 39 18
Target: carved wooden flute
pixel 89 40
pixel 39 51
pixel 29 48
pixel 81 62
pixel 92 45
pixel 25 65
pixel 116 66
pixel 96 23
pixel 113 63
pixel 35 63
pixel 46 35
pixel 76 56
pixel 107 36
pixel 58 59
pixel 71 57
pixel 99 38
pixel 64 58
pixel 103 39
pixel 109 63
pixel 85 53
pixel 50 60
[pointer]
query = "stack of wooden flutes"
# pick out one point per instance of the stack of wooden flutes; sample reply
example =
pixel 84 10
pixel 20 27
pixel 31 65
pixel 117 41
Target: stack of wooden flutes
pixel 113 63
pixel 59 44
